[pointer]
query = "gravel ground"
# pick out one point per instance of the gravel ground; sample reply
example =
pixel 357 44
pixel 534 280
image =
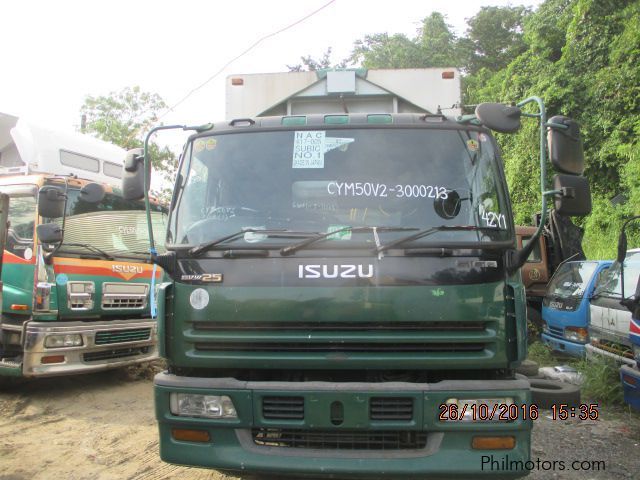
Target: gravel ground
pixel 102 426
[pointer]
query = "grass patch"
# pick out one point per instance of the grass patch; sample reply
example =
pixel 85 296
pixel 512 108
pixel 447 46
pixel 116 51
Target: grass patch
pixel 601 381
pixel 541 354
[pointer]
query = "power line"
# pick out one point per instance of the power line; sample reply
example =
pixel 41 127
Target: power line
pixel 253 45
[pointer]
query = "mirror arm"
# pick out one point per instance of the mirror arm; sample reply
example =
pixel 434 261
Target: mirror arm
pixel 48 257
pixel 516 258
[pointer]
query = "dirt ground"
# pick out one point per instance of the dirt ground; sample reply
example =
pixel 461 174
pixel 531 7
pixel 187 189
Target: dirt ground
pixel 102 426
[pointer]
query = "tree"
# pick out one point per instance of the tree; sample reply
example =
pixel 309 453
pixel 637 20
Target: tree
pixel 310 64
pixel 124 118
pixel 495 37
pixel 435 45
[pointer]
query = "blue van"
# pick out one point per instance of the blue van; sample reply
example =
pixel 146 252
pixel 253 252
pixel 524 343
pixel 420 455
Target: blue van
pixel 565 308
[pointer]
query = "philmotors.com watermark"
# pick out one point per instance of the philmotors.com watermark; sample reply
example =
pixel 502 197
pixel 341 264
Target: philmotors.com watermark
pixel 493 463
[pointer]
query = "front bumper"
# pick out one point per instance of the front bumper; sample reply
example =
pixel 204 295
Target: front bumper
pixel 447 452
pixel 630 377
pixel 564 346
pixel 105 345
pixel 596 353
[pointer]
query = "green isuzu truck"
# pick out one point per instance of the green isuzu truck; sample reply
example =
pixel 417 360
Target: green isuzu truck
pixel 345 296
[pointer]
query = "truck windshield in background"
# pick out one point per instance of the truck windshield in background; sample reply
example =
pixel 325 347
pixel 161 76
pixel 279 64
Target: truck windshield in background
pixel 116 226
pixel 571 280
pixel 324 180
pixel 611 286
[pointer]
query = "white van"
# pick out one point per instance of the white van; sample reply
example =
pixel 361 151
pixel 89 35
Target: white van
pixel 609 324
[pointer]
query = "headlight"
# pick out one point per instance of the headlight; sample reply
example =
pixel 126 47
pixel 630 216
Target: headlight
pixel 477 409
pixel 576 334
pixel 61 341
pixel 208 406
pixel 545 327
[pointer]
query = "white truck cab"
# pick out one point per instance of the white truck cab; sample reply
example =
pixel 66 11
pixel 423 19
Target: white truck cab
pixel 609 324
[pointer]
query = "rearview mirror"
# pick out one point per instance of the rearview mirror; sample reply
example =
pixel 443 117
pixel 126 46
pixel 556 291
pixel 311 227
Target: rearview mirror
pixel 133 184
pixel 49 233
pixel 565 146
pixel 575 197
pixel 51 202
pixel 499 117
pixel 622 247
pixel 92 193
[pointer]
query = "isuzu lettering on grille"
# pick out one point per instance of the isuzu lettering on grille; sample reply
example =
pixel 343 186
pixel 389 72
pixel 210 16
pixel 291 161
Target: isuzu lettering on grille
pixel 335 271
pixel 126 268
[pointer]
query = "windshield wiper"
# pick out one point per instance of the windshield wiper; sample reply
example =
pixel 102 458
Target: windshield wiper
pixel 96 250
pixel 297 246
pixel 428 231
pixel 283 233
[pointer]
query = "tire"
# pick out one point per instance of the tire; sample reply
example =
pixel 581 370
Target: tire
pixel 528 368
pixel 545 393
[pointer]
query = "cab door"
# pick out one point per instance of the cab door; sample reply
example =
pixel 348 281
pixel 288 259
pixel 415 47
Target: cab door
pixel 19 258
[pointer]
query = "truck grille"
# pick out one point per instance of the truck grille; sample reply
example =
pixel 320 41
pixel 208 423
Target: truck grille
pixel 283 408
pixel 340 439
pixel 391 408
pixel 121 336
pixel 558 332
pixel 341 326
pixel 613 347
pixel 342 347
pixel 124 295
pixel 112 354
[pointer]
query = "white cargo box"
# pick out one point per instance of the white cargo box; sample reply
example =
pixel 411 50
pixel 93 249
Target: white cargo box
pixel 26 148
pixel 415 90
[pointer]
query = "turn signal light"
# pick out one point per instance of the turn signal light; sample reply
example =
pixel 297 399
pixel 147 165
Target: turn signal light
pixel 493 443
pixel 17 306
pixel 52 359
pixel 187 435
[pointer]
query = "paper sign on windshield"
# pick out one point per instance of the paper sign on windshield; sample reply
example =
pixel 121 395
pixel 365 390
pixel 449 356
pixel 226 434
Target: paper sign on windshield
pixel 309 148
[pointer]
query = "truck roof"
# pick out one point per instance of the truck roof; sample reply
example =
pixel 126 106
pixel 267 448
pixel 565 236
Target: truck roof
pixel 411 90
pixel 27 148
pixel 328 121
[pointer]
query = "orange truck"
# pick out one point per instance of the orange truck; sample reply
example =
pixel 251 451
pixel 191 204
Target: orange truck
pixel 560 242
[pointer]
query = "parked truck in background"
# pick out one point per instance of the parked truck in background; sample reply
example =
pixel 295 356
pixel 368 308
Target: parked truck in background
pixel 629 285
pixel 345 296
pixel 78 300
pixel 560 241
pixel 565 310
pixel 610 317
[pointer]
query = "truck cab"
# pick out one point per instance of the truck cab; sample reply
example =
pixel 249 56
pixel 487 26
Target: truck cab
pixel 565 310
pixel 79 302
pixel 610 320
pixel 343 280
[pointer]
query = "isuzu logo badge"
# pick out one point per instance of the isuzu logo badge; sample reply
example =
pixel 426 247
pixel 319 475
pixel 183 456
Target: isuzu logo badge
pixel 335 271
pixel 126 268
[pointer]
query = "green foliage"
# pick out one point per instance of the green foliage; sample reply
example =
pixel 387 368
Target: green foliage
pixel 582 59
pixel 495 37
pixel 434 46
pixel 124 118
pixel 311 64
pixel 601 381
pixel 541 354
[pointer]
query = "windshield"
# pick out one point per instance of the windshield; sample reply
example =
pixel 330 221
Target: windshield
pixel 571 280
pixel 114 225
pixel 609 284
pixel 324 180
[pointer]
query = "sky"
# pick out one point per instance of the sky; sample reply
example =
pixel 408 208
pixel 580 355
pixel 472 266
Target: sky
pixel 55 53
